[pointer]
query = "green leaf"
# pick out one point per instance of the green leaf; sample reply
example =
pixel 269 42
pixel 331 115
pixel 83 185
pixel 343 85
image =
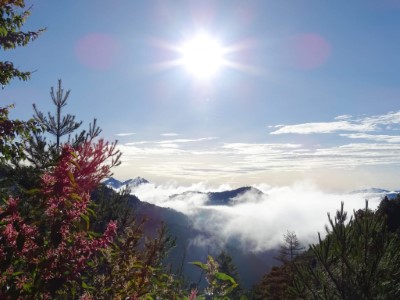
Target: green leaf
pixel 3 31
pixel 91 211
pixel 224 277
pixel 71 178
pixel 86 219
pixel 76 197
pixel 17 273
pixel 199 264
pixel 73 153
pixel 87 287
pixel 32 191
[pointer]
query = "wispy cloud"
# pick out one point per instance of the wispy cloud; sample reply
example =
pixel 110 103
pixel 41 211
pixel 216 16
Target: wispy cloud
pixel 169 134
pixel 125 134
pixel 324 127
pixel 173 141
pixel 343 117
pixel 343 123
pixel 194 159
pixel 239 159
pixel 373 137
pixel 187 140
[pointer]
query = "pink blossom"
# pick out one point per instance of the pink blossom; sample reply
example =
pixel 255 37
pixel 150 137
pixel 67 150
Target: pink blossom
pixel 193 294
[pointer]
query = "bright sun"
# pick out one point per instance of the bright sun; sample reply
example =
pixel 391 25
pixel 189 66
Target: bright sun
pixel 202 56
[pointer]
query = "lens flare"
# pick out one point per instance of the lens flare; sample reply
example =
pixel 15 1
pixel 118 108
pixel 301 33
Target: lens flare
pixel 202 56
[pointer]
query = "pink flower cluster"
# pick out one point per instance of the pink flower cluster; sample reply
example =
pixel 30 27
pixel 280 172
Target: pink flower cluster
pixel 15 234
pixel 55 245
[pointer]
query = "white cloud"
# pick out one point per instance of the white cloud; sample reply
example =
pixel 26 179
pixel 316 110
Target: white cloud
pixel 172 141
pixel 187 140
pixel 386 119
pixel 324 127
pixel 262 149
pixel 343 117
pixel 125 134
pixel 130 150
pixel 169 145
pixel 194 159
pixel 343 123
pixel 222 161
pixel 169 134
pixel 257 222
pixel 159 195
pixel 372 137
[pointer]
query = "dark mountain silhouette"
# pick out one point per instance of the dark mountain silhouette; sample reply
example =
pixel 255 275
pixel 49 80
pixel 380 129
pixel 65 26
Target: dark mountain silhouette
pixel 225 198
pixel 130 183
pixel 220 198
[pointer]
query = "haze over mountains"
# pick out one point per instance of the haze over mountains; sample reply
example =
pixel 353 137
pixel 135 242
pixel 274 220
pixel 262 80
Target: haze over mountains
pixel 232 213
pixel 248 221
pixel 224 195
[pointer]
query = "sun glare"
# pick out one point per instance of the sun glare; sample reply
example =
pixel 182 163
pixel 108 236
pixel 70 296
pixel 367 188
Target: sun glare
pixel 202 56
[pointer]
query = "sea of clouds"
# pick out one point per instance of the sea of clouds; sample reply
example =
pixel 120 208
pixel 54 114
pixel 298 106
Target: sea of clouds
pixel 256 222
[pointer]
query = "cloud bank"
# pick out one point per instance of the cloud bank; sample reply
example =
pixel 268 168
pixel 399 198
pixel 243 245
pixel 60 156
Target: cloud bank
pixel 255 223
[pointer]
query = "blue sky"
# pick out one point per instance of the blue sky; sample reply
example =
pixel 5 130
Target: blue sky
pixel 313 95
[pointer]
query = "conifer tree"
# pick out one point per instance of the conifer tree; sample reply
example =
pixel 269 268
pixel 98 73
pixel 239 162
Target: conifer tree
pixel 290 248
pixel 12 18
pixel 226 265
pixel 57 125
pixel 42 152
pixel 358 259
pixel 391 210
pixel 275 284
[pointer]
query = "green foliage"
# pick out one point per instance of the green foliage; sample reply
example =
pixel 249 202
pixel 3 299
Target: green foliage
pixel 227 266
pixel 220 285
pixel 357 260
pixel 13 134
pixel 133 267
pixel 276 284
pixel 391 210
pixel 12 18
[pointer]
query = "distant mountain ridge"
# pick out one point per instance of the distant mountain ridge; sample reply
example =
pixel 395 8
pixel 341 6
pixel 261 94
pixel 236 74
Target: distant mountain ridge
pixel 373 192
pixel 370 191
pixel 130 183
pixel 225 197
pixel 221 198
